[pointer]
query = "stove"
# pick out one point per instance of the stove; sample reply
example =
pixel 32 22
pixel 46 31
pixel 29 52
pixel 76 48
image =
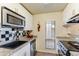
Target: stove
pixel 68 47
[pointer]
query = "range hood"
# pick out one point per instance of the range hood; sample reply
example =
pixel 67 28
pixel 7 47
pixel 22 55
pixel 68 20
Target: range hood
pixel 74 19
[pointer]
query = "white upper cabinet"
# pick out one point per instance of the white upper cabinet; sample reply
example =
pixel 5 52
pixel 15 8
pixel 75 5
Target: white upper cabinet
pixel 22 11
pixel 70 10
pixel 29 22
pixel 76 8
pixel 67 13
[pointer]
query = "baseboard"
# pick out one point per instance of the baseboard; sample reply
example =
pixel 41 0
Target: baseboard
pixel 48 51
pixel 44 52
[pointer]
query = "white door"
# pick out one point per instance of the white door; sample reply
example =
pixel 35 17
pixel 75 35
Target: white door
pixel 50 35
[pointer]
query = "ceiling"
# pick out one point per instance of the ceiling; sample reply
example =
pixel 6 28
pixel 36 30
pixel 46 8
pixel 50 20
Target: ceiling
pixel 37 8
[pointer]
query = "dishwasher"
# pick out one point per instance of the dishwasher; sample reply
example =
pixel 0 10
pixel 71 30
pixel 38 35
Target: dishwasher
pixel 33 47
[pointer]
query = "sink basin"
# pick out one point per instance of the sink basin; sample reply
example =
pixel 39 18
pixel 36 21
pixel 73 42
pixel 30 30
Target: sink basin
pixel 13 45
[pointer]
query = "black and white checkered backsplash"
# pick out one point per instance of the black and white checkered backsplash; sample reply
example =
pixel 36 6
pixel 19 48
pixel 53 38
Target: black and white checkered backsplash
pixel 7 34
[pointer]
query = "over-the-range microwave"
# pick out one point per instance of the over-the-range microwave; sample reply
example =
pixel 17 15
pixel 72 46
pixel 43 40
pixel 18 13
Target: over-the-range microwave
pixel 11 18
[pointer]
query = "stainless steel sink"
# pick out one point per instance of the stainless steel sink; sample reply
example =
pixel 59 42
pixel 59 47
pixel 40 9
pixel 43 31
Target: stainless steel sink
pixel 13 45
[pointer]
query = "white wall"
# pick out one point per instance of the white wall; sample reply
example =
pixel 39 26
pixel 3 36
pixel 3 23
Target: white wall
pixel 21 10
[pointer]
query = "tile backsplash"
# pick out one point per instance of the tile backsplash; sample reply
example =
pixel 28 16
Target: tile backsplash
pixel 8 35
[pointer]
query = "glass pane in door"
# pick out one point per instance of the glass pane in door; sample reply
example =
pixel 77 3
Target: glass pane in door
pixel 50 35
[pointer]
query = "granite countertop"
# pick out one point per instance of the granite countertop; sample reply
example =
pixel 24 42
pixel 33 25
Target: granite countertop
pixel 69 46
pixel 24 38
pixel 8 52
pixel 65 38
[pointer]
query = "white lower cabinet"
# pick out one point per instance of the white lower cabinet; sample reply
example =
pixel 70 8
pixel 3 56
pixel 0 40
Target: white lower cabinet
pixel 25 51
pixel 28 50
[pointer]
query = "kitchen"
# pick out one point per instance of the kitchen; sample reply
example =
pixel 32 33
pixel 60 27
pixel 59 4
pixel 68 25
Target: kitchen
pixel 39 29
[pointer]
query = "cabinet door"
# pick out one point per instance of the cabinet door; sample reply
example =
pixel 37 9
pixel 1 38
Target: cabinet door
pixel 68 12
pixel 20 52
pixel 76 8
pixel 25 51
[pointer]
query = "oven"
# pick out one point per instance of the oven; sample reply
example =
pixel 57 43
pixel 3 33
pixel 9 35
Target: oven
pixel 68 48
pixel 62 50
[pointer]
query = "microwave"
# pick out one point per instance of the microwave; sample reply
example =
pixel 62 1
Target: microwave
pixel 11 18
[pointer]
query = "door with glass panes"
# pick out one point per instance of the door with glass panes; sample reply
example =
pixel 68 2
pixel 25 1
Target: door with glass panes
pixel 50 35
